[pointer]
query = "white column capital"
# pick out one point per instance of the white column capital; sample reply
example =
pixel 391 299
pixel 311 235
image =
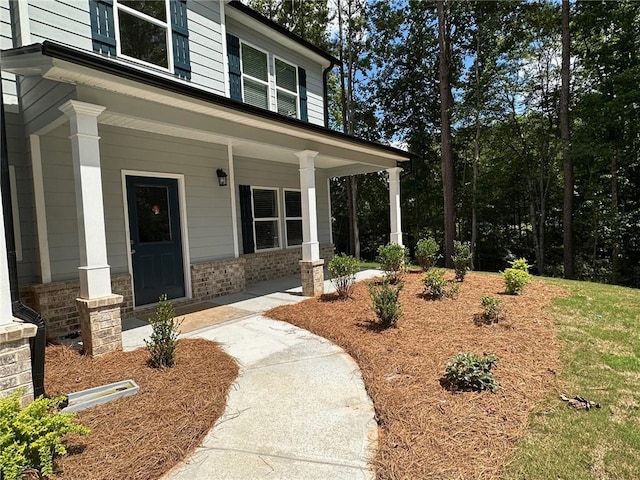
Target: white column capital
pixel 75 107
pixel 394 171
pixel 307 158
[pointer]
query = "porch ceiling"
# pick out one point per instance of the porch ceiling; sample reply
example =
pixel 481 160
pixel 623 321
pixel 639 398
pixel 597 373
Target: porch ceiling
pixel 170 106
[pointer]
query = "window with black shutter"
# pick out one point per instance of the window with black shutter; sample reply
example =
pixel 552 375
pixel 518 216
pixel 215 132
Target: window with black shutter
pixel 154 33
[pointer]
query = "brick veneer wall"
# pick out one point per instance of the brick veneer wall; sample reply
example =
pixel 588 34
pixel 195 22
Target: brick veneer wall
pixel 56 302
pixel 264 266
pixel 212 279
pixel 15 360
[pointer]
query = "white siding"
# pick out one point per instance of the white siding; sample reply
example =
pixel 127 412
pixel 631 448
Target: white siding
pixel 208 205
pixel 262 173
pixel 9 90
pixel 315 99
pixel 64 21
pixel 28 267
pixel 40 99
pixel 205 44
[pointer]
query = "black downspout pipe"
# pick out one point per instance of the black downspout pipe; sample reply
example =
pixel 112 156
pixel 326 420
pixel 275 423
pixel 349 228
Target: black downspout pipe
pixel 20 311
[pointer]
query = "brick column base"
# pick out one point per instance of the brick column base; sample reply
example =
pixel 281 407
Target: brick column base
pixel 100 324
pixel 312 277
pixel 15 360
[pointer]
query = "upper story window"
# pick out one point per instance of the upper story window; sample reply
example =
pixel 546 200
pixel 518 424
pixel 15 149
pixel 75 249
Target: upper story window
pixel 259 78
pixel 143 31
pixel 255 76
pixel 286 88
pixel 153 33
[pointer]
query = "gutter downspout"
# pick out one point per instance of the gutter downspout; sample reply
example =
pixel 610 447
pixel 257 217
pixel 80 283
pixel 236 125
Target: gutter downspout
pixel 20 311
pixel 325 74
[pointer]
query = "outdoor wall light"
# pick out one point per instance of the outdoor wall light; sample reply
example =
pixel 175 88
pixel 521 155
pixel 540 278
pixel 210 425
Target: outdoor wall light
pixel 222 177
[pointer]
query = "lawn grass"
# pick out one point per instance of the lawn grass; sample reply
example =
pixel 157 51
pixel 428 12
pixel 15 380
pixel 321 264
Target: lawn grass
pixel 599 331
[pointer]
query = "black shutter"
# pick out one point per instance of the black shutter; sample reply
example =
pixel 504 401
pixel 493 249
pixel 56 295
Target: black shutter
pixel 235 75
pixel 246 219
pixel 102 28
pixel 180 37
pixel 302 89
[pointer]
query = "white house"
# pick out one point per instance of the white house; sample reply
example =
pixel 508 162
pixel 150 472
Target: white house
pixel 175 146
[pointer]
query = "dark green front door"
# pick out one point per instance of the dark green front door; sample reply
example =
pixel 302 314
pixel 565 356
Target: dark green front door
pixel 155 237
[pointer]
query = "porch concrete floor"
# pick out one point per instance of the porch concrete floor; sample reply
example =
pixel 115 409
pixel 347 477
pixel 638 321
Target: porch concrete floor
pixel 297 411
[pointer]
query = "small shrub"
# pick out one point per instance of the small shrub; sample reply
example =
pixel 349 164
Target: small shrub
pixel 386 303
pixel 468 371
pixel 427 253
pixel 343 269
pixel 164 335
pixel 461 256
pixel 30 437
pixel 436 287
pixel 516 277
pixel 393 260
pixel 492 309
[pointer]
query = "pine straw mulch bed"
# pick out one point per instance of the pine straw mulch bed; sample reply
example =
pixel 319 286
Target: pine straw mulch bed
pixel 425 430
pixel 145 435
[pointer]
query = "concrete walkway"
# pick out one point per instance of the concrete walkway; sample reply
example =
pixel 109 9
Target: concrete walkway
pixel 297 411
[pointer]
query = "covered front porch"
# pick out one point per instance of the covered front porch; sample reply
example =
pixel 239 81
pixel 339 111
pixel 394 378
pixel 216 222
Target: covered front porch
pixel 143 189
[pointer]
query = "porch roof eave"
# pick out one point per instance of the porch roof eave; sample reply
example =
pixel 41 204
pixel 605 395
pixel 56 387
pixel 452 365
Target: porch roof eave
pixel 339 153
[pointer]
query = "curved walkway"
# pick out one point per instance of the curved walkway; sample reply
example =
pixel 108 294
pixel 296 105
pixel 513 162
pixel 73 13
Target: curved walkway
pixel 298 409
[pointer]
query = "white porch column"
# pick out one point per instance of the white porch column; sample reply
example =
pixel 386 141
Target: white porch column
pixel 6 315
pixel 310 245
pixel 394 205
pixel 311 265
pixel 95 273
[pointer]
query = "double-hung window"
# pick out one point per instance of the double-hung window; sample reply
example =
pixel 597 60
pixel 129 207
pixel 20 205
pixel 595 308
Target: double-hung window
pixel 144 31
pixel 266 218
pixel 293 217
pixel 286 88
pixel 255 76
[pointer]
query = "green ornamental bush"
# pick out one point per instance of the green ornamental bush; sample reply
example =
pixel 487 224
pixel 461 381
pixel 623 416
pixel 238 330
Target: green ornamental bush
pixel 393 260
pixel 436 287
pixel 30 437
pixel 164 336
pixel 386 303
pixel 427 253
pixel 516 277
pixel 468 371
pixel 492 309
pixel 461 257
pixel 343 269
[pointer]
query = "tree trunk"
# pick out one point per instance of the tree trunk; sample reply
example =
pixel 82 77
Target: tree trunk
pixel 476 154
pixel 567 215
pixel 615 252
pixel 347 125
pixel 444 39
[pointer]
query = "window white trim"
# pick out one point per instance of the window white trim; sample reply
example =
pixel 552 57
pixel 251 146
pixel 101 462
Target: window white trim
pixel 252 78
pixel 266 219
pixel 275 82
pixel 284 215
pixel 143 16
pixel 182 200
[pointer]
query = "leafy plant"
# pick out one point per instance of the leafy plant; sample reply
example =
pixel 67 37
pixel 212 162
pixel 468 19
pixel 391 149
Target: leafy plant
pixel 343 269
pixel 386 303
pixel 30 437
pixel 436 287
pixel 393 260
pixel 468 371
pixel 427 253
pixel 461 257
pixel 492 309
pixel 164 335
pixel 516 277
